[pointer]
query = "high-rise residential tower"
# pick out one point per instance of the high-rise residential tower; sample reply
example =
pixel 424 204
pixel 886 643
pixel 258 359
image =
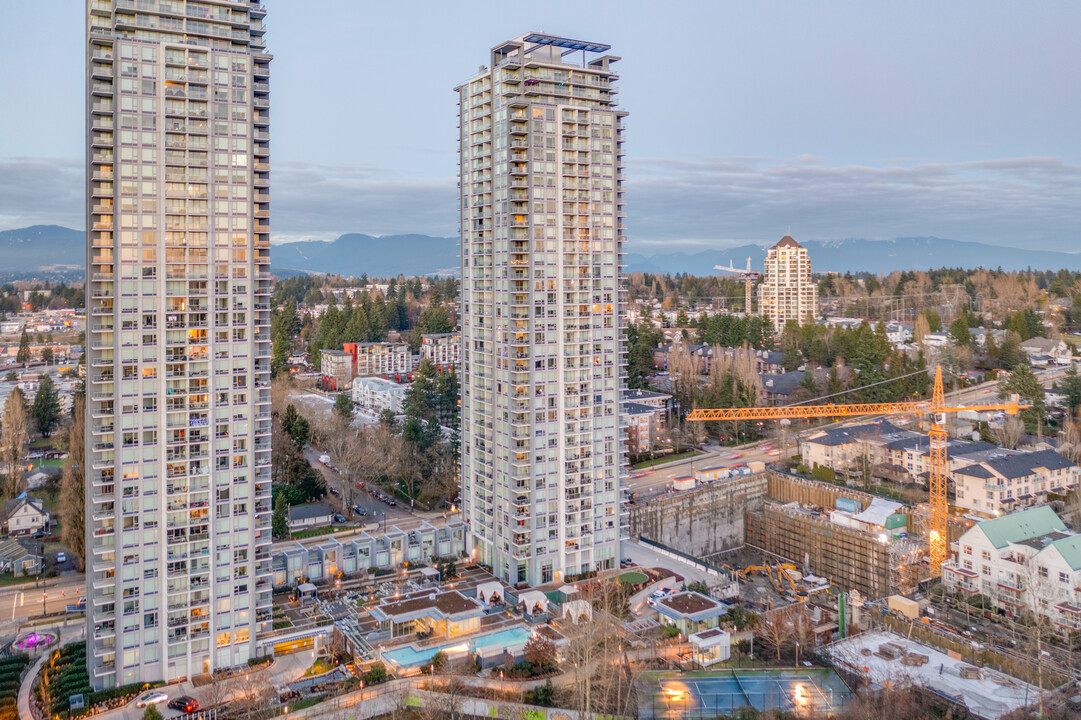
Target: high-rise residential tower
pixel 788 292
pixel 541 178
pixel 178 350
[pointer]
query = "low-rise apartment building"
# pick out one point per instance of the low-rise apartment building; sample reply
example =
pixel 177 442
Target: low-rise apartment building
pixel 644 425
pixel 840 448
pixel 1007 481
pixel 336 368
pixel 381 358
pixel 378 394
pixel 660 401
pixel 443 349
pixel 1024 561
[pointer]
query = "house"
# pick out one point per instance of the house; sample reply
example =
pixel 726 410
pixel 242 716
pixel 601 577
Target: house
pixel 1046 351
pixel 310 515
pixel 378 394
pixel 690 611
pixel 25 515
pixel 1026 560
pixel 1009 480
pixel 17 558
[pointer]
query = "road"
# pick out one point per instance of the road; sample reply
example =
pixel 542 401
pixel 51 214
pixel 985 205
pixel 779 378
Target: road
pixel 651 481
pixel 24 601
pixel 352 495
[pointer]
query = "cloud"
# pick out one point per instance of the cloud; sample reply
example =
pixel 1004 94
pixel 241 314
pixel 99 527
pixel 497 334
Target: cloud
pixel 671 204
pixel 324 201
pixel 1023 202
pixel 42 191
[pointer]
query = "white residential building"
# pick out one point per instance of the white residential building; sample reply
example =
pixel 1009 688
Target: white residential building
pixel 377 394
pixel 541 183
pixel 1027 560
pixel 788 292
pixel 1010 480
pixel 178 338
pixel 443 349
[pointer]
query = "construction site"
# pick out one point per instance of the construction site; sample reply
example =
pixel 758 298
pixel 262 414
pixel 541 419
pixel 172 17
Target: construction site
pixel 816 531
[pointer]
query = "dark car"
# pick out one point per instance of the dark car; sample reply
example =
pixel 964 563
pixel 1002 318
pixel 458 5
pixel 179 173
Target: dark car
pixel 184 703
pixel 339 518
pixel 38 535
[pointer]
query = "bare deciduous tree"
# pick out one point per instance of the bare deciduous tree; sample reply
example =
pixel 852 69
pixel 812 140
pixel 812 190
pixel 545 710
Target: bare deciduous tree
pixel 73 487
pixel 13 438
pixel 1009 433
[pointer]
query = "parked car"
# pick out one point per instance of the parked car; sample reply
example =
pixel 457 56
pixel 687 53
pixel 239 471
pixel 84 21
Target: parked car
pixel 184 703
pixel 361 511
pixel 339 518
pixel 38 535
pixel 151 698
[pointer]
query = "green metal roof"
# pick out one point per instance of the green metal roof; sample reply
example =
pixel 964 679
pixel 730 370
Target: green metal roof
pixel 1023 525
pixel 1070 549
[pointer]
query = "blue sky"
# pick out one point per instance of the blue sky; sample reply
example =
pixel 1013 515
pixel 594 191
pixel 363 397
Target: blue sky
pixel 832 119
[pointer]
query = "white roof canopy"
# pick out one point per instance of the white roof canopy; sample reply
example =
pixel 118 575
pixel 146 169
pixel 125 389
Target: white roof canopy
pixel 877 512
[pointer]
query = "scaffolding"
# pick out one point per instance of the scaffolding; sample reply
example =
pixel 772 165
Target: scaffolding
pixel 849 558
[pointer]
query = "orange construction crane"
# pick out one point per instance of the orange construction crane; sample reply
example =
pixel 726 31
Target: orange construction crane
pixel 936 407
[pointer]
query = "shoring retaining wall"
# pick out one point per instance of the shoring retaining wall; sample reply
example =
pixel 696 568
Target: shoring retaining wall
pixel 702 522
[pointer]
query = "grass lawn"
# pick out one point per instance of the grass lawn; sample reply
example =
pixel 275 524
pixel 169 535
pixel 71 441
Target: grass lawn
pixel 49 463
pixel 8 579
pixel 632 578
pixel 666 459
pixel 320 666
pixel 315 532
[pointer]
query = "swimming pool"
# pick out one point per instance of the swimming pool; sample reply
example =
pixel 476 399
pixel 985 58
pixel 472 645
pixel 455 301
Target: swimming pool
pixel 410 657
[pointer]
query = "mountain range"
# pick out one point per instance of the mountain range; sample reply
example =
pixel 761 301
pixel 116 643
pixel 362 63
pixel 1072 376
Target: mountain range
pixel 858 255
pixel 44 250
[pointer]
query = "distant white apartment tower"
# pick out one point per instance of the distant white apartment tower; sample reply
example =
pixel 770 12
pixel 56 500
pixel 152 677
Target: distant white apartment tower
pixel 443 349
pixel 178 400
pixel 787 291
pixel 541 165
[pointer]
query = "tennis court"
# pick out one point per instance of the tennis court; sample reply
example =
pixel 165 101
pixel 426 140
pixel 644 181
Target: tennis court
pixel 702 695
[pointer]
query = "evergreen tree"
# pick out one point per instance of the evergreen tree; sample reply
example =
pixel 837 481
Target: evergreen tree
pixel 46 407
pixel 1071 388
pixel 343 406
pixel 280 521
pixel 24 348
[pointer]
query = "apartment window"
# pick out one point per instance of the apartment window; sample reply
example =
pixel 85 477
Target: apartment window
pixel 968 549
pixel 986 555
pixel 1063 577
pixel 1043 572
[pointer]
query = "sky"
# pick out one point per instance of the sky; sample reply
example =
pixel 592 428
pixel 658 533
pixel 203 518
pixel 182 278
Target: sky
pixel 827 120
